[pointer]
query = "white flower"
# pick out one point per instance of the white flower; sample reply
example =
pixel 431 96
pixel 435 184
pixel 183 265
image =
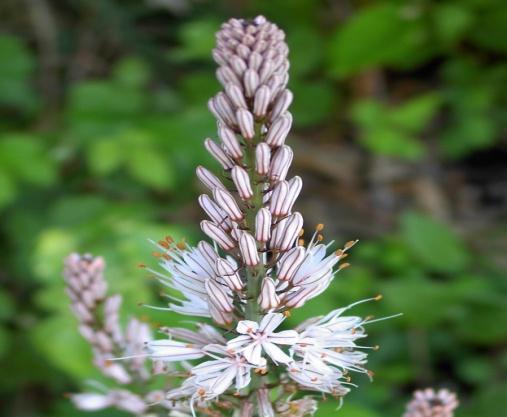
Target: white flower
pixel 328 344
pixel 173 351
pixel 325 380
pixel 255 338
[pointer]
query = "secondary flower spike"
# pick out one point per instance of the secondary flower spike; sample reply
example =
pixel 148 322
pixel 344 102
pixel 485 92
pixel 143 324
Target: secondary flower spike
pixel 255 266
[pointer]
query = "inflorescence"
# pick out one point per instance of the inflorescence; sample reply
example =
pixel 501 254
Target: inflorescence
pixel 255 269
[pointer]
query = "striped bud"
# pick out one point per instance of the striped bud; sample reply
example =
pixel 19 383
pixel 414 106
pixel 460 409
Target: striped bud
pixel 230 141
pixel 279 130
pixel 220 317
pixel 248 249
pixel 245 122
pixel 268 298
pixel 218 153
pixel 262 158
pixel 280 163
pixel 218 296
pixel 208 252
pixel 281 105
pixel 217 234
pixel 277 203
pixel 264 403
pixel 236 95
pixel 242 182
pixel 289 263
pixel 295 185
pixel 208 179
pixel 228 274
pixel 251 82
pixel 286 232
pixel 214 211
pixel 263 225
pixel 261 101
pixel 226 75
pixel 227 202
pixel 224 108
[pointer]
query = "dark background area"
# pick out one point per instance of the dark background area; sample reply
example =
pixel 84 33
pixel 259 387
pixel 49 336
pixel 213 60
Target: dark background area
pixel 399 134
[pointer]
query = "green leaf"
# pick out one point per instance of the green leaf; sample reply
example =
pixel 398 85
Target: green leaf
pixel 377 35
pixel 451 22
pixel 414 115
pixel 307 48
pixel 390 141
pixel 132 72
pixel 25 158
pixel 490 31
pixel 8 189
pixel 313 103
pixel 433 243
pixel 150 168
pixel 198 39
pixel 15 71
pixel 105 155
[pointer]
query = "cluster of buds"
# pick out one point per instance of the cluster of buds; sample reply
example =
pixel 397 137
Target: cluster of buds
pixel 98 316
pixel 431 403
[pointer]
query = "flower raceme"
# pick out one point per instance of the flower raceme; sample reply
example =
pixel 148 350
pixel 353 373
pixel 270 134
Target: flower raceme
pixel 257 266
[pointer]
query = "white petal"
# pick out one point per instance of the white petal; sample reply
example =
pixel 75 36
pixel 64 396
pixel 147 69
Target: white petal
pixel 275 353
pixel 270 322
pixel 285 337
pixel 252 354
pixel 247 327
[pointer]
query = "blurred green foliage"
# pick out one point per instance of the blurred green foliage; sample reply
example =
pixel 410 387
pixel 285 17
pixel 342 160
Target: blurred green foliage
pixel 113 166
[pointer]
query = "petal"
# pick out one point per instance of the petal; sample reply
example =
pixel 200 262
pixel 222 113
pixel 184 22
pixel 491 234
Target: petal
pixel 270 322
pixel 275 353
pixel 285 337
pixel 252 354
pixel 223 381
pixel 238 342
pixel 247 327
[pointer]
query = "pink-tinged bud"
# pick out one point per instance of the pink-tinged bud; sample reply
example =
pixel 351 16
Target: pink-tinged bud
pixel 280 163
pixel 220 317
pixel 238 65
pixel 217 234
pixel 103 341
pixel 227 202
pixel 255 61
pixel 264 403
pixel 251 82
pixel 268 298
pixel 261 101
pixel 247 409
pixel 245 122
pixel 297 298
pixel 266 70
pixel 243 51
pixel 218 153
pixel 224 108
pixel 242 182
pixel 218 296
pixel 208 179
pixel 289 263
pixel 248 248
pixel 226 75
pixel 276 84
pixel 262 158
pixel 208 252
pixel 282 103
pixel 82 312
pixel 228 274
pixel 278 199
pixel 215 212
pixel 87 332
pixel 230 141
pixel 91 401
pixel 263 225
pixel 286 232
pixel 279 130
pixel 295 185
pixel 219 57
pixel 236 95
